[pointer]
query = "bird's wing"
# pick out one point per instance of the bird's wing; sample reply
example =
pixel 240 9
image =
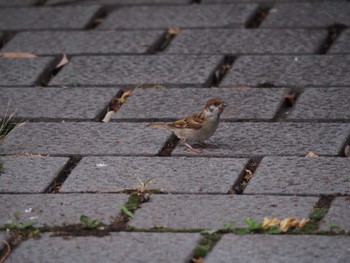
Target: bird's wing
pixel 193 122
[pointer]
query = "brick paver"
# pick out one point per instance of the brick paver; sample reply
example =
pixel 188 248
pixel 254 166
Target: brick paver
pixel 186 211
pixel 243 41
pixel 289 70
pixel 322 103
pixel 117 2
pixel 117 247
pixel 337 217
pixel 107 174
pixel 83 42
pixel 59 103
pixel 46 18
pixel 84 138
pixel 271 248
pixel 293 175
pixel 6 3
pixel 193 16
pixel 22 72
pixel 112 70
pixel 59 210
pixel 311 14
pixel 342 44
pixel 262 139
pixel 29 174
pixel 163 103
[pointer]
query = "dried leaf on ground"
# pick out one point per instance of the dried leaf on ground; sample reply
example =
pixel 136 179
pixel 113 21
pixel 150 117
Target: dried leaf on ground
pixel 172 31
pixel 290 97
pixel 285 224
pixel 17 55
pixel 312 154
pixel 270 222
pixel 248 175
pixel 115 105
pixel 64 61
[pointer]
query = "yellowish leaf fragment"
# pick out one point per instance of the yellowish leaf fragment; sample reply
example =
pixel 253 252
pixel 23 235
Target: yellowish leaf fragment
pixel 17 55
pixel 270 222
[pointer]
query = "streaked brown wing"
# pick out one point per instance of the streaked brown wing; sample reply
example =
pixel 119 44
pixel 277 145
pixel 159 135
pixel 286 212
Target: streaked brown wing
pixel 194 122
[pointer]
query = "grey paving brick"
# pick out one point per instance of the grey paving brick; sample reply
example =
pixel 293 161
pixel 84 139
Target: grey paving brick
pixel 163 103
pixel 342 44
pixel 22 72
pixel 60 209
pixel 261 1
pixel 301 175
pixel 117 247
pixel 242 41
pixel 322 103
pixel 83 42
pixel 308 15
pixel 73 17
pixel 280 248
pixel 190 16
pixel 62 103
pixel 208 175
pixel 261 139
pixel 7 3
pixel 116 2
pixel 290 70
pixel 213 211
pixel 84 138
pixel 29 174
pixel 112 70
pixel 338 215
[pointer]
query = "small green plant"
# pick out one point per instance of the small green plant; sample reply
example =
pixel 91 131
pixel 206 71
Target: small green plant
pixel 89 223
pixel 126 211
pixel 12 225
pixel 318 213
pixel 206 244
pixel 144 186
pixel 7 125
pixel 35 233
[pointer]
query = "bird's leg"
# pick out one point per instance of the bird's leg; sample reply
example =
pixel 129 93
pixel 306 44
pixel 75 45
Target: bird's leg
pixel 190 148
pixel 209 145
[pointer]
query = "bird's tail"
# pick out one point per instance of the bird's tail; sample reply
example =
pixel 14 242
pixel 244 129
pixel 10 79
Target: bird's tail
pixel 157 125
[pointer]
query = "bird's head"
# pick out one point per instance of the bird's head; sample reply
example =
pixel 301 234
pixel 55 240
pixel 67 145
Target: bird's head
pixel 214 107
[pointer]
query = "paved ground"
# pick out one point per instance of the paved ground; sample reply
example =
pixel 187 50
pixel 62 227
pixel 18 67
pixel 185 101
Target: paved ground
pixel 281 66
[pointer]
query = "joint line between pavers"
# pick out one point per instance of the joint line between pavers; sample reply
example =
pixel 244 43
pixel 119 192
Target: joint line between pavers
pixel 56 184
pixel 163 41
pixel 289 99
pixel 50 72
pixel 345 149
pixel 258 16
pixel 221 70
pixel 97 19
pixel 334 31
pixel 245 176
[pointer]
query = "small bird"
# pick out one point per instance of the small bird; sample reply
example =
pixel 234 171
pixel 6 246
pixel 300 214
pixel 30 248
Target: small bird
pixel 197 127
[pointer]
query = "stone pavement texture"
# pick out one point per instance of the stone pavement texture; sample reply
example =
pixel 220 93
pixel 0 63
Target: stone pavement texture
pixel 282 67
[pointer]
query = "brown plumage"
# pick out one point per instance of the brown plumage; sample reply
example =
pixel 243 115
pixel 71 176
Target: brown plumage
pixel 197 127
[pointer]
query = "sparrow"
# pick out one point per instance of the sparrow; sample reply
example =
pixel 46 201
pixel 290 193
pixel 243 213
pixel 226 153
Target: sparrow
pixel 197 127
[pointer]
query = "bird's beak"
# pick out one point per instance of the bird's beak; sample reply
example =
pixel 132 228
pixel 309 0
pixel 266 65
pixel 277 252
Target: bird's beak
pixel 222 105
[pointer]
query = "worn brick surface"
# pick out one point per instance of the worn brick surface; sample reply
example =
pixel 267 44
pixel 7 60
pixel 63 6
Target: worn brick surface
pixel 164 103
pixel 188 16
pixel 322 103
pixel 338 215
pixel 242 41
pixel 112 70
pixel 260 1
pixel 116 247
pixel 342 43
pixel 283 248
pixel 71 17
pixel 290 70
pixel 293 175
pixel 65 103
pixel 210 211
pixel 116 2
pixel 7 3
pixel 84 138
pixel 311 14
pixel 60 209
pixel 81 42
pixel 209 175
pixel 29 174
pixel 242 139
pixel 22 72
